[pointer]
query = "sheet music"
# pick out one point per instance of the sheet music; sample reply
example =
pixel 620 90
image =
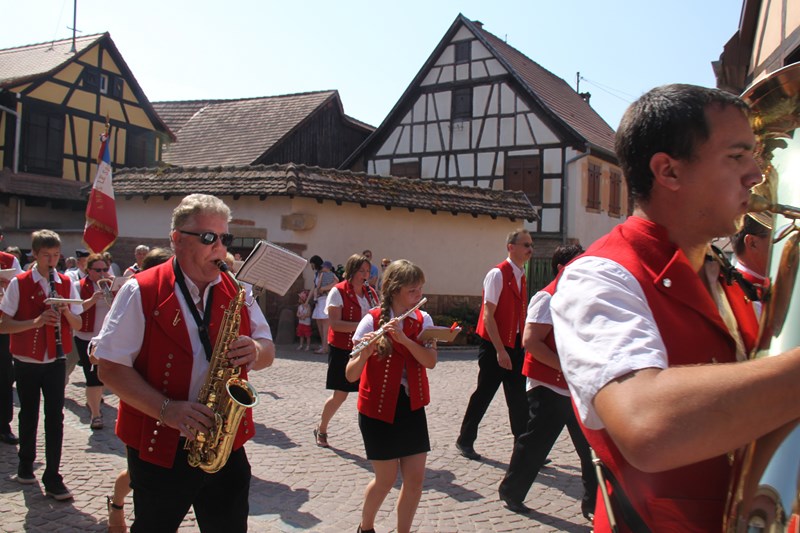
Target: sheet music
pixel 271 267
pixel 8 273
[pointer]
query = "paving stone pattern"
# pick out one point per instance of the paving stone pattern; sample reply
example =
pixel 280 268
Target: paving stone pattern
pixel 297 486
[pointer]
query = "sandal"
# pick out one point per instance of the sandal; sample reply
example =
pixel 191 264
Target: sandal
pixel 97 422
pixel 116 516
pixel 321 438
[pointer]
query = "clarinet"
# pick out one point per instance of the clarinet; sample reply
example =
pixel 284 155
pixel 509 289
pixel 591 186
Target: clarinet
pixel 54 294
pixel 368 295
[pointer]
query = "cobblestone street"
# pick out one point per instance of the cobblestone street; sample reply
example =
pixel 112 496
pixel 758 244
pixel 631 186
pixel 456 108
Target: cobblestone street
pixel 297 486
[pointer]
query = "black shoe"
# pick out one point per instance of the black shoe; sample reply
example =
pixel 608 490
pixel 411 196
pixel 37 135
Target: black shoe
pixel 25 474
pixel 468 452
pixel 587 509
pixel 58 491
pixel 515 506
pixel 9 438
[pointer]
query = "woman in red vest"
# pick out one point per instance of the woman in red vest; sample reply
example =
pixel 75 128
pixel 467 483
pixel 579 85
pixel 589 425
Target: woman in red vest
pixel 347 302
pixel 393 393
pixel 95 309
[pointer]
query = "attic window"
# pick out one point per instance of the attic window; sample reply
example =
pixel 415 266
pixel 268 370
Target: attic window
pixel 118 86
pixel 103 83
pixel 462 104
pixel 91 78
pixel 406 170
pixel 463 51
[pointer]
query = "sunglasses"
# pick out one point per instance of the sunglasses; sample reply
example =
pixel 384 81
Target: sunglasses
pixel 209 237
pixel 100 269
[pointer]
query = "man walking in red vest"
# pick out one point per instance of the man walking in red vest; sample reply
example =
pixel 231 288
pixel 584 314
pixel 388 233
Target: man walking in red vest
pixel 500 325
pixel 154 351
pixel 40 336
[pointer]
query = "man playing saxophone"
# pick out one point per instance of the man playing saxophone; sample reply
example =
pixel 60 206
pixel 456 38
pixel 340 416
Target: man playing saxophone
pixel 650 337
pixel 154 353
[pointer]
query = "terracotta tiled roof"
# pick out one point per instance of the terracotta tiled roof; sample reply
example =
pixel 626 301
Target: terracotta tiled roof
pixel 38 186
pixel 26 62
pixel 234 132
pixel 177 114
pixel 323 184
pixel 552 91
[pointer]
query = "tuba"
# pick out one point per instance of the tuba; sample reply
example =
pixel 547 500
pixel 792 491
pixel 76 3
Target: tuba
pixel 223 391
pixel 765 489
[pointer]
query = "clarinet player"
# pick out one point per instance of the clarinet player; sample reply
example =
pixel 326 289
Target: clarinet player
pixel 40 335
pixel 154 352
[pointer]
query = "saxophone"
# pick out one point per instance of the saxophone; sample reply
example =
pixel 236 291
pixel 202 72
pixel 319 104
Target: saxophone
pixel 223 391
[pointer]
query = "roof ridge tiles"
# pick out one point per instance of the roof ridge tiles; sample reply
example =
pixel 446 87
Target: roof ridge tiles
pixel 91 37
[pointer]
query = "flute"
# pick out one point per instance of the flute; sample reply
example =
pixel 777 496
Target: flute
pixel 382 330
pixel 54 294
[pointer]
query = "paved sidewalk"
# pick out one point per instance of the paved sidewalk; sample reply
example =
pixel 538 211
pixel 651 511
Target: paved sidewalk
pixel 297 486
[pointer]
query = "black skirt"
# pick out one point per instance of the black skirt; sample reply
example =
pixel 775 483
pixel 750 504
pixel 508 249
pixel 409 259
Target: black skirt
pixel 407 435
pixel 337 362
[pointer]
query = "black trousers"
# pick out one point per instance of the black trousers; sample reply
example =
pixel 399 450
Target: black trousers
pixel 548 413
pixel 6 385
pixel 490 377
pixel 89 370
pixel 163 496
pixel 35 381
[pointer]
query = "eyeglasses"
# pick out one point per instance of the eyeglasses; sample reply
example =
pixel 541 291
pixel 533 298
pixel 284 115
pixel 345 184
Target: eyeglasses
pixel 100 269
pixel 209 237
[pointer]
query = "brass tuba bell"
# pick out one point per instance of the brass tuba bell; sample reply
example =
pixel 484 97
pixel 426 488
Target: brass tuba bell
pixel 765 490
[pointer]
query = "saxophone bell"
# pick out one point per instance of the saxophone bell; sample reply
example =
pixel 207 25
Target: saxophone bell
pixel 224 391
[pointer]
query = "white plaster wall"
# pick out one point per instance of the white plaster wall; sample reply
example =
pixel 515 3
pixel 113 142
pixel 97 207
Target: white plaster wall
pixel 582 225
pixel 454 251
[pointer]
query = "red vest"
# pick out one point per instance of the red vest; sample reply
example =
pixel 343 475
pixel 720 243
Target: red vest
pixel 535 369
pixel 690 498
pixel 381 378
pixel 87 317
pixel 165 362
pixel 6 260
pixel 510 311
pixel 33 342
pixel 351 312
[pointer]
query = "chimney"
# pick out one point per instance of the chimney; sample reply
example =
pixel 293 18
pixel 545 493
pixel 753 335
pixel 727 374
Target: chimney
pixel 585 96
pixel 478 23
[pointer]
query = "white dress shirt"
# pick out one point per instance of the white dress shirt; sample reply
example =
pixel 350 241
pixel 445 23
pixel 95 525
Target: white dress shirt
pixel 120 338
pixel 10 305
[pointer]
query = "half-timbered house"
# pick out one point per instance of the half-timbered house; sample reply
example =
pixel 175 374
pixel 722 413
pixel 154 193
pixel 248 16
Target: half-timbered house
pixel 768 38
pixel 55 99
pixel 480 112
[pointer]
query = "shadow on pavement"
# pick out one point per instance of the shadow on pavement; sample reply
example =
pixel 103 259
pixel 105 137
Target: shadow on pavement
pixel 268 498
pixel 357 460
pixel 444 481
pixel 272 437
pixel 44 512
pixel 558 523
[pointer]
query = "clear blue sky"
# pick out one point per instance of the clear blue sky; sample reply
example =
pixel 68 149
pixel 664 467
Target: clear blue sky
pixel 370 50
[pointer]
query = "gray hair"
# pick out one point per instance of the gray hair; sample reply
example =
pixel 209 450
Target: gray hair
pixel 142 249
pixel 198 204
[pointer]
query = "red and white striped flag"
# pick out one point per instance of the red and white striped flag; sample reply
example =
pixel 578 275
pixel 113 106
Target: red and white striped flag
pixel 101 211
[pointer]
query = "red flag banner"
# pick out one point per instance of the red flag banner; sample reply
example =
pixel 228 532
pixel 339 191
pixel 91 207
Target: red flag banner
pixel 101 212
